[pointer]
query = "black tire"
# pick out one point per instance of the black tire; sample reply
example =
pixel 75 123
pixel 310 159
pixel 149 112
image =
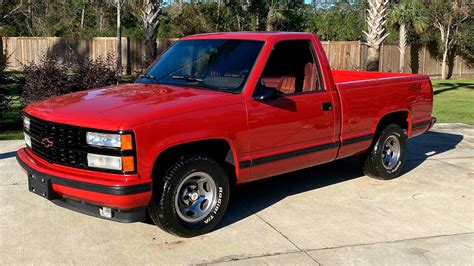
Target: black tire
pixel 373 161
pixel 163 206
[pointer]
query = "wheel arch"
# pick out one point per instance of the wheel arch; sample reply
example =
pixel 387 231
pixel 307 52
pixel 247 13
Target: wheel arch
pixel 402 118
pixel 218 148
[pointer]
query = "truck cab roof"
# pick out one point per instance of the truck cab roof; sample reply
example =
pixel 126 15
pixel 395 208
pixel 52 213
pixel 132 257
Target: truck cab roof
pixel 244 35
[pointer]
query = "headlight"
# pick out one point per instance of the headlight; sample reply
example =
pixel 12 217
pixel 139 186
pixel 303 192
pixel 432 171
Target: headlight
pixel 121 163
pixel 104 161
pixel 124 142
pixel 27 140
pixel 102 139
pixel 26 122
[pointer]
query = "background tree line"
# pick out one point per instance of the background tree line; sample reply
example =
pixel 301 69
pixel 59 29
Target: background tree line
pixel 446 26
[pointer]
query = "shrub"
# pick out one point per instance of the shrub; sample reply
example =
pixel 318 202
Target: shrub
pixel 44 79
pixel 4 100
pixel 50 77
pixel 94 73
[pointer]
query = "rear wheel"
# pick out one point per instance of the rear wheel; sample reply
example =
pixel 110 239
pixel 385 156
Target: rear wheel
pixel 386 158
pixel 192 196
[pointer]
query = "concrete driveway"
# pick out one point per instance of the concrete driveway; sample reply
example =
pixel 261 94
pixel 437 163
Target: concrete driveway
pixel 329 214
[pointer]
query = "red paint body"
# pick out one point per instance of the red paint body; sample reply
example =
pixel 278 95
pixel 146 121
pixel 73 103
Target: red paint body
pixel 165 116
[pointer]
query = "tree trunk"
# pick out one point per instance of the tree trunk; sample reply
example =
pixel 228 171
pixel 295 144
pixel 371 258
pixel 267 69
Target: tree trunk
pixel 218 14
pixel 30 17
pixel 402 47
pixel 269 22
pixel 101 19
pixel 375 32
pixel 373 57
pixel 257 22
pixel 119 40
pixel 181 4
pixel 83 14
pixel 444 63
pixel 238 23
pixel 445 42
pixel 150 11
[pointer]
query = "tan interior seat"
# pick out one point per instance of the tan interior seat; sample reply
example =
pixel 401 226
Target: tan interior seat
pixel 310 77
pixel 287 84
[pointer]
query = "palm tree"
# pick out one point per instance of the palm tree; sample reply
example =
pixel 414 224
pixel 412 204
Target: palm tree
pixel 274 14
pixel 149 15
pixel 407 15
pixel 376 20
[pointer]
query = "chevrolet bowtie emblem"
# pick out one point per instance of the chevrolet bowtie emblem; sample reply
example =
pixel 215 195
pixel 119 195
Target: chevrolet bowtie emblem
pixel 47 142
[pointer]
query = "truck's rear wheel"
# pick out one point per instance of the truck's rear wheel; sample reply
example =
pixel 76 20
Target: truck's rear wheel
pixel 192 196
pixel 386 158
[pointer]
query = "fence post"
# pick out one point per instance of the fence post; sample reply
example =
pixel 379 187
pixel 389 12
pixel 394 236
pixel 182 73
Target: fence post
pixel 129 63
pixel 329 52
pixel 381 58
pixel 359 67
pixel 424 60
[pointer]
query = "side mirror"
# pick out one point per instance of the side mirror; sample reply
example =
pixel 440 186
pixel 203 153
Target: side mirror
pixel 265 93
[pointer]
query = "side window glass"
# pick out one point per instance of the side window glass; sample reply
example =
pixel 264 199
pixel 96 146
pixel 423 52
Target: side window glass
pixel 292 68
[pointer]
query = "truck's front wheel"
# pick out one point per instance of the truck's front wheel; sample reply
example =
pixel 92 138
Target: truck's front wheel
pixel 386 158
pixel 192 196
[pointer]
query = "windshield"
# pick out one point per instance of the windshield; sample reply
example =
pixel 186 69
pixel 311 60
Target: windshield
pixel 222 65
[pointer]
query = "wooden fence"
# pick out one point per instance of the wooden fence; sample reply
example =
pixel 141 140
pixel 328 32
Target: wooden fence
pixel 24 50
pixel 418 59
pixel 342 55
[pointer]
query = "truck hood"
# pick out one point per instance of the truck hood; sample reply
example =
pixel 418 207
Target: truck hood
pixel 123 106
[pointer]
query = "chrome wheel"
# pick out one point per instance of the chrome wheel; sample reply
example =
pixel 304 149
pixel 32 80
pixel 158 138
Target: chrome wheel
pixel 391 152
pixel 196 197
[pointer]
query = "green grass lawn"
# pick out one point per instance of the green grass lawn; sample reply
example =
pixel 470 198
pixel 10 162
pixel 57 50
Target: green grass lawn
pixel 453 103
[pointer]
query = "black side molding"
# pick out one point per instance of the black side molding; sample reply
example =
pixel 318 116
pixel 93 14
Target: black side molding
pixel 286 155
pixel 358 139
pixel 111 190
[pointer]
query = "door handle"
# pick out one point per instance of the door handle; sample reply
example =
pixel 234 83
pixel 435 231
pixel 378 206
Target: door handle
pixel 327 106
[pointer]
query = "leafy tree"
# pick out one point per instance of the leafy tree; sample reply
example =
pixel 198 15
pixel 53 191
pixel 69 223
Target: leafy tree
pixel 342 21
pixel 407 15
pixel 449 17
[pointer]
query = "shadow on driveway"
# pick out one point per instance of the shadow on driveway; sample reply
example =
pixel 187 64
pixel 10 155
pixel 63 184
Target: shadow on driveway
pixel 259 195
pixel 7 155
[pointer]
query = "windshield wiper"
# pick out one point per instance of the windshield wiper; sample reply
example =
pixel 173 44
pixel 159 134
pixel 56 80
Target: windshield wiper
pixel 148 76
pixel 202 83
pixel 188 78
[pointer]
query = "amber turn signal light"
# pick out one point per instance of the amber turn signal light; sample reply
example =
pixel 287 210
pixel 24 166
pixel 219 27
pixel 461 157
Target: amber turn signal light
pixel 128 163
pixel 126 141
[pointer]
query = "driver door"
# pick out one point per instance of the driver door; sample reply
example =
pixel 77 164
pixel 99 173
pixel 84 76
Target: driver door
pixel 296 129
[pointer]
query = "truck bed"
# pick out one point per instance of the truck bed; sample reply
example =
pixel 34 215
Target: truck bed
pixel 344 76
pixel 366 96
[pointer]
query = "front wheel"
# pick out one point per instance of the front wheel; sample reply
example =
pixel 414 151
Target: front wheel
pixel 386 158
pixel 192 196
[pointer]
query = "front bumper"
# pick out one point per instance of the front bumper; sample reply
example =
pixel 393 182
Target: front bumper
pixel 127 199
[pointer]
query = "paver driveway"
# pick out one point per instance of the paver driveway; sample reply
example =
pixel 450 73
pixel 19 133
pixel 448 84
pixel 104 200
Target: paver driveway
pixel 329 214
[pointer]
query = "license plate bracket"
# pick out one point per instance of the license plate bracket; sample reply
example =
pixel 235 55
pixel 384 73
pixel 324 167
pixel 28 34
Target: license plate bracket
pixel 42 186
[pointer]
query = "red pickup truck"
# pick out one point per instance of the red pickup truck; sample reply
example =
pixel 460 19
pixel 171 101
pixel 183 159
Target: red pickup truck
pixel 213 111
